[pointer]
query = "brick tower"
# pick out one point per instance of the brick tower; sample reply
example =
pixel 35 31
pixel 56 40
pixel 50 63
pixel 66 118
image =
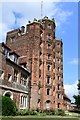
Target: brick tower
pixel 39 49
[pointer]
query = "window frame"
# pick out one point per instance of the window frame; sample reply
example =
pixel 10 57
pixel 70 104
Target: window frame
pixel 15 75
pixel 12 39
pixel 23 80
pixel 48 46
pixel 1 74
pixel 9 77
pixel 48 79
pixel 49 26
pixel 48 91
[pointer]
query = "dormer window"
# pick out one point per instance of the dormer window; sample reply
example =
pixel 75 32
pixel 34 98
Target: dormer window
pixel 5 49
pixel 14 57
pixel 6 52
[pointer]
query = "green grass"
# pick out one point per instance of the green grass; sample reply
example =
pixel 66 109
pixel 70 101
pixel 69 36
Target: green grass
pixel 40 118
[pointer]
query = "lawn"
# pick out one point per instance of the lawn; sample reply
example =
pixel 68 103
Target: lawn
pixel 40 118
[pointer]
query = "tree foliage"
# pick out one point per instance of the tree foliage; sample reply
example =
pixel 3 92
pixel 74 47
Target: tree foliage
pixel 77 100
pixel 8 106
pixel 78 84
pixel 77 97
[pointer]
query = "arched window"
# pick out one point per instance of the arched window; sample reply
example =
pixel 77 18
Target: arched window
pixel 48 104
pixel 48 46
pixel 49 67
pixel 49 26
pixel 49 56
pixel 49 36
pixel 48 79
pixel 8 94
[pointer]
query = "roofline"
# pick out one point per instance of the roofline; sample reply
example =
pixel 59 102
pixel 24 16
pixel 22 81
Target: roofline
pixel 15 30
pixel 3 44
pixel 18 65
pixel 11 52
pixel 67 97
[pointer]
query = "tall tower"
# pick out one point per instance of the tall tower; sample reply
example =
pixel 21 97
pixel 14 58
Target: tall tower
pixel 34 34
pixel 47 67
pixel 42 53
pixel 52 67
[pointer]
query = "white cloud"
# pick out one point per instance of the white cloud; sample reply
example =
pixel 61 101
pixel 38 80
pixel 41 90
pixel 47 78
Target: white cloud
pixel 3 29
pixel 28 11
pixel 61 16
pixel 71 89
pixel 75 61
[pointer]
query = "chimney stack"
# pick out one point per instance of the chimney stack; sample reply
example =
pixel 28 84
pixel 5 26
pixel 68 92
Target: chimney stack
pixel 22 29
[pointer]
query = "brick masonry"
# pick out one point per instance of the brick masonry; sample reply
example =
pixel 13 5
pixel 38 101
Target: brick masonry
pixel 43 54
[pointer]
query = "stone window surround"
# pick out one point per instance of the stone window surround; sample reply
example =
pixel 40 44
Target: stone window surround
pixel 23 101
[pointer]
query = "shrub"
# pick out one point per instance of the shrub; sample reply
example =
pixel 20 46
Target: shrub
pixel 28 112
pixel 8 106
pixel 43 114
pixel 61 112
pixel 52 111
pixel 24 112
pixel 33 112
pixel 48 112
pixel 38 110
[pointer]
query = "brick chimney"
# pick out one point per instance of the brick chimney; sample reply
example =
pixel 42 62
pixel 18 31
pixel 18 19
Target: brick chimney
pixel 22 29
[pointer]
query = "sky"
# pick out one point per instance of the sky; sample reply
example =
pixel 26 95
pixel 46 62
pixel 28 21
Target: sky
pixel 15 14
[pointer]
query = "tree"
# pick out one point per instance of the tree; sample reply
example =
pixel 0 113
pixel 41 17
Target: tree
pixel 8 106
pixel 77 97
pixel 78 86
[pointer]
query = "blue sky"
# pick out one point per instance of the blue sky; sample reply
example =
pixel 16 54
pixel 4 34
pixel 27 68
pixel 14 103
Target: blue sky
pixel 16 14
pixel 69 34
